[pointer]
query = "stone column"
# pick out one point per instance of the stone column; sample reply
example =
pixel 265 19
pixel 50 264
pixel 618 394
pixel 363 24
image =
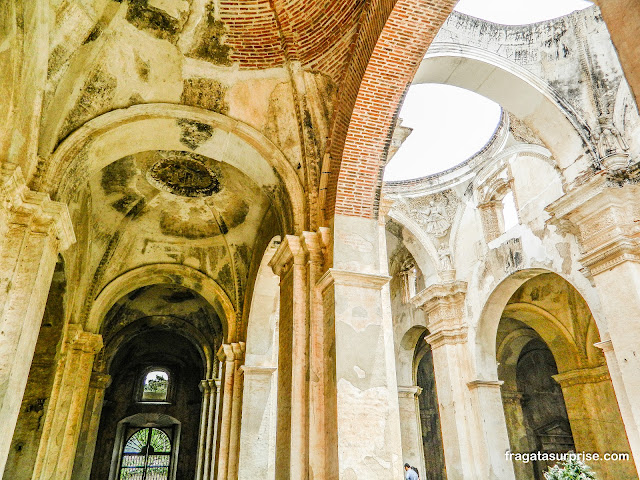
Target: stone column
pixel 518 440
pixel 410 426
pixel 595 419
pixel 66 406
pixel 90 424
pixel 33 230
pixel 257 423
pixel 206 452
pixel 292 437
pixel 605 218
pixel 236 410
pixel 231 356
pixel 470 411
pixel 490 437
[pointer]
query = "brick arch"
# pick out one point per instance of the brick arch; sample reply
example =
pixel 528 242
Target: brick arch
pixel 368 108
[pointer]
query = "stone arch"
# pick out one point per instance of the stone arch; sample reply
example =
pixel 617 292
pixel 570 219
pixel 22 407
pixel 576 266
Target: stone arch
pixel 191 333
pixel 528 97
pixel 167 273
pixel 354 163
pixel 162 126
pixel 472 68
pixel 492 312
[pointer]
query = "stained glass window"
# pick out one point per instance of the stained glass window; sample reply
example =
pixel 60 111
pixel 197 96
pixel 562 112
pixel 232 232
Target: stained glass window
pixel 156 386
pixel 146 455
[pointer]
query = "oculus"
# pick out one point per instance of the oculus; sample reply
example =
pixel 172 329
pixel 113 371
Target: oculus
pixel 181 175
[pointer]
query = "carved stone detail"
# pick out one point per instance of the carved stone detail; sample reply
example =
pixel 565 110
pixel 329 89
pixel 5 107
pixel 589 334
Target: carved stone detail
pixel 434 213
pixel 180 174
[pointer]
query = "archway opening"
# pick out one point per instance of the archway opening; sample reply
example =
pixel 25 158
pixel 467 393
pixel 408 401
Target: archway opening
pixel 557 393
pixel 159 343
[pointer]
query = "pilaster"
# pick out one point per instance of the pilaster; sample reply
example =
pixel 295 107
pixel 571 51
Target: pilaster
pixel 368 418
pixel 33 230
pixel 292 437
pixel 258 423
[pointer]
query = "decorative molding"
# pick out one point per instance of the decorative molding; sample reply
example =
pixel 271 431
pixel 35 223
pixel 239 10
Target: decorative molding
pixel 230 352
pixel 34 210
pixel 77 339
pixel 184 174
pixel 288 253
pixel 442 302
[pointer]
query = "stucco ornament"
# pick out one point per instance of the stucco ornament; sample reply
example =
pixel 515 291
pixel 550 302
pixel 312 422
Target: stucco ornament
pixel 612 147
pixel 434 213
pixel 182 175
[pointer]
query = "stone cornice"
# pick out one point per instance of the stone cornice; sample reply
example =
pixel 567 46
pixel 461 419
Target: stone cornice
pixel 437 293
pixel 582 376
pixel 35 210
pixel 444 305
pixel 100 380
pixel 605 346
pixel 352 279
pixel 606 218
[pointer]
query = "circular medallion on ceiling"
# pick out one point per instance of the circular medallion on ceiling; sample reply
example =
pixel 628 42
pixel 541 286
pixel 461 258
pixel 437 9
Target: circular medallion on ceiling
pixel 180 174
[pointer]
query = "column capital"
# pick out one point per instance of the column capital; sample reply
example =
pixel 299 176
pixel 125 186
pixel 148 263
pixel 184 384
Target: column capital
pixel 207 385
pixel 606 346
pixel 444 304
pixel 582 375
pixel 447 336
pixel 257 370
pixel 78 339
pixel 230 352
pixel 511 396
pixel 605 219
pixel 35 210
pixel 289 252
pixel 409 391
pixel 476 384
pixel 100 380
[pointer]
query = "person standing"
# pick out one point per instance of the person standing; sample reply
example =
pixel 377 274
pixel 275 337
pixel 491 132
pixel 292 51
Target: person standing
pixel 409 473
